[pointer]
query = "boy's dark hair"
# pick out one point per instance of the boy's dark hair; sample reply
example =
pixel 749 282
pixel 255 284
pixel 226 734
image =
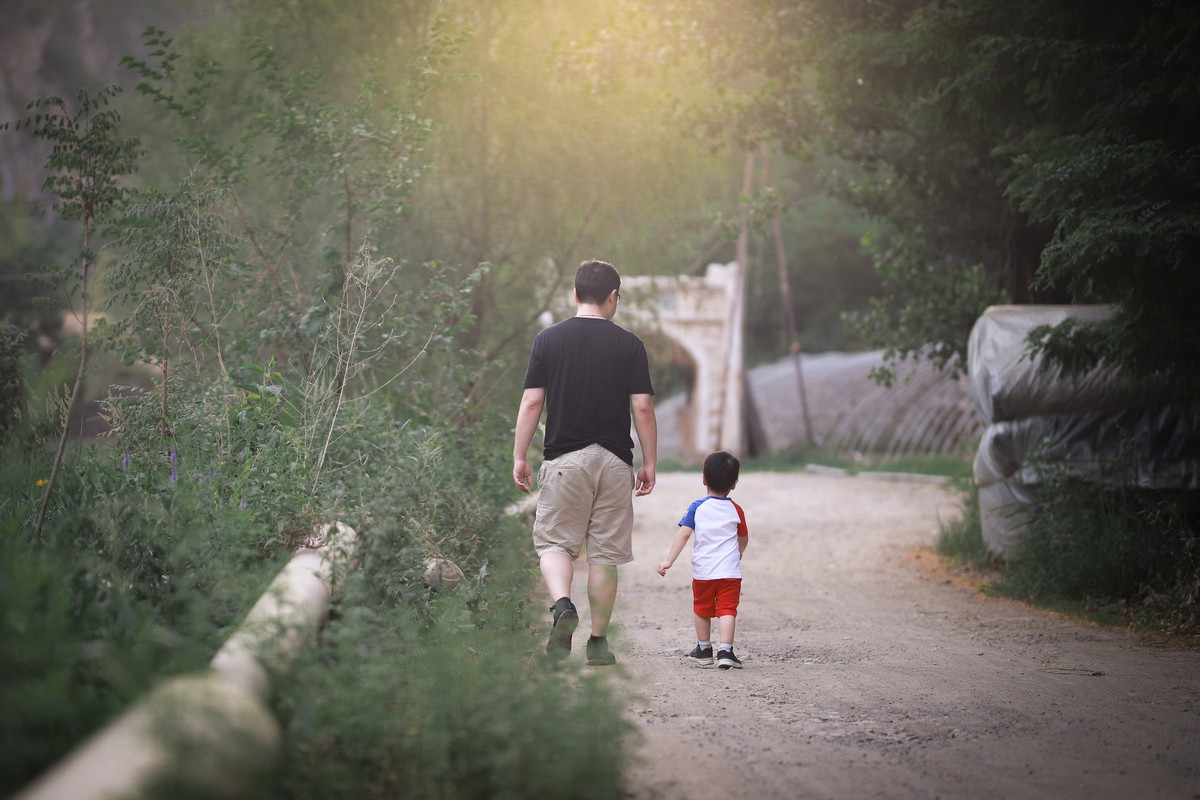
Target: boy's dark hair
pixel 721 471
pixel 595 280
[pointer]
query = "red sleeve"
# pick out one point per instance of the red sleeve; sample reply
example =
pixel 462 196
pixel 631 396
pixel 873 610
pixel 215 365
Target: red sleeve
pixel 742 529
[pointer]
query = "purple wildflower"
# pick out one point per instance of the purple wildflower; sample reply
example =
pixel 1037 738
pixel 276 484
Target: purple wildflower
pixel 243 503
pixel 125 461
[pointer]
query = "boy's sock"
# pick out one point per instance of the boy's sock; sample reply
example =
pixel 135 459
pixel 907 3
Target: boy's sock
pixel 725 646
pixel 705 644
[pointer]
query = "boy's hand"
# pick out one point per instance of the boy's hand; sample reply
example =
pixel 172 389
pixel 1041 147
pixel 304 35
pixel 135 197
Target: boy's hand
pixel 663 567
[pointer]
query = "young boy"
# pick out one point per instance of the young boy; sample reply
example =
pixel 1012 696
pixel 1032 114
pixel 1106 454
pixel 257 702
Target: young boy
pixel 721 535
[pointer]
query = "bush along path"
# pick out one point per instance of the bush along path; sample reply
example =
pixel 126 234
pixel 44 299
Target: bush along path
pixel 211 733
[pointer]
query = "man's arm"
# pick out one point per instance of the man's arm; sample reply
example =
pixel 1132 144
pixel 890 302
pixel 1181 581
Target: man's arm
pixel 646 425
pixel 529 413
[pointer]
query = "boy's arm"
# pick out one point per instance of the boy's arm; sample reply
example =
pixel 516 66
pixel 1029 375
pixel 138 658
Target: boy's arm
pixel 742 542
pixel 677 545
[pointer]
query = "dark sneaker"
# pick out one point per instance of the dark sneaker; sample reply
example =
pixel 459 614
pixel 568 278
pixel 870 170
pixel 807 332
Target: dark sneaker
pixel 598 654
pixel 566 620
pixel 701 655
pixel 726 660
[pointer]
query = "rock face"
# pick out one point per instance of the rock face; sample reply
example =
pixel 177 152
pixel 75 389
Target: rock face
pixel 57 47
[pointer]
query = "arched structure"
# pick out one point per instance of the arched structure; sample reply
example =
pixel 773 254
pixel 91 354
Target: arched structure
pixel 704 315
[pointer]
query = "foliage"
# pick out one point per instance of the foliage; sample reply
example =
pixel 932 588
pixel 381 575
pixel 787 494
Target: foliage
pixel 11 384
pixel 298 375
pixel 1135 551
pixel 137 576
pixel 175 266
pixel 1125 555
pixel 303 177
pixel 86 162
pixel 1021 152
pixel 440 694
pixel 456 711
pixel 960 538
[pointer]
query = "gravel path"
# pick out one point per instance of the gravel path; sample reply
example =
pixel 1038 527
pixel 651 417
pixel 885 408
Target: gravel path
pixel 870 673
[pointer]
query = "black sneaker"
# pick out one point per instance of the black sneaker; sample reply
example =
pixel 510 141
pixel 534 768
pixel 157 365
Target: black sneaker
pixel 566 620
pixel 701 655
pixel 598 654
pixel 726 660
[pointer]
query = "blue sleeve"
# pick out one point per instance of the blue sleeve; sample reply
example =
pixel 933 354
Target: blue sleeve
pixel 689 519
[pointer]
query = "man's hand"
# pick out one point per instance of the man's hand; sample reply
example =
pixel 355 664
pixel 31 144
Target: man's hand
pixel 644 484
pixel 522 474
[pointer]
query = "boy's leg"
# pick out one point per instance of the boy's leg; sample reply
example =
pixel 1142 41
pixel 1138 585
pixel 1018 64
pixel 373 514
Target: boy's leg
pixel 727 624
pixel 703 628
pixel 728 598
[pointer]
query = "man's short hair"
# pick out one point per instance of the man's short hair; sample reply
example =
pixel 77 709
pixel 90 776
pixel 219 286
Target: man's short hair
pixel 595 280
pixel 721 471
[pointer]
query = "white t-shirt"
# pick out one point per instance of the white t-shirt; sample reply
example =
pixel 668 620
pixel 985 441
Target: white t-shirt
pixel 717 522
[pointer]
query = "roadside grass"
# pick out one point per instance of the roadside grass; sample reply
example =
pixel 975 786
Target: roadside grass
pixel 960 538
pixel 1124 558
pixel 142 573
pixel 135 579
pixel 453 700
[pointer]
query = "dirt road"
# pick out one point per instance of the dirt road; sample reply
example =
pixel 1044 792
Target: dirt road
pixel 868 675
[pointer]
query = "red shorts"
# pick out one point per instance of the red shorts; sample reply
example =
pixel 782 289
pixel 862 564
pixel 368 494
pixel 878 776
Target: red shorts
pixel 716 598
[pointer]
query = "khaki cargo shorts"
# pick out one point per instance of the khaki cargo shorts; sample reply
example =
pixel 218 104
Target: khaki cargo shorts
pixel 586 498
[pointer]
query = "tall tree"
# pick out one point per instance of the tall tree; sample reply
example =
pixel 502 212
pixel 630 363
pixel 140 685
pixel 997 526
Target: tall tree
pixel 1029 151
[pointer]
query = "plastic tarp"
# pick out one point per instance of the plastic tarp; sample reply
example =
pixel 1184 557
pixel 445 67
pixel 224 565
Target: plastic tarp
pixel 1151 447
pixel 1004 514
pixel 1096 426
pixel 1006 384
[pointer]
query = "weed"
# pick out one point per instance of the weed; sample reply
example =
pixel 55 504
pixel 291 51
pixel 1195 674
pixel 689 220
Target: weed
pixel 1117 556
pixel 960 537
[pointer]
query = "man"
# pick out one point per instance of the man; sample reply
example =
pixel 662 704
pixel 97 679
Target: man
pixel 588 373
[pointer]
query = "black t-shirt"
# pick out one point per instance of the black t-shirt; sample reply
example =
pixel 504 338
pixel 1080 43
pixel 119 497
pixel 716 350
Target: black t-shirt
pixel 588 367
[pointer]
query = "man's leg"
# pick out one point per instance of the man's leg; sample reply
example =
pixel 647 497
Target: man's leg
pixel 557 571
pixel 602 596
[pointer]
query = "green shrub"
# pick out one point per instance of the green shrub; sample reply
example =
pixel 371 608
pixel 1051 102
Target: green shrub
pixel 1122 555
pixel 1112 548
pixel 961 537
pixel 453 702
pixel 129 584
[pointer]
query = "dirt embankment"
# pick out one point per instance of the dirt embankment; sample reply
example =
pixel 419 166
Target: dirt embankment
pixel 867 675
